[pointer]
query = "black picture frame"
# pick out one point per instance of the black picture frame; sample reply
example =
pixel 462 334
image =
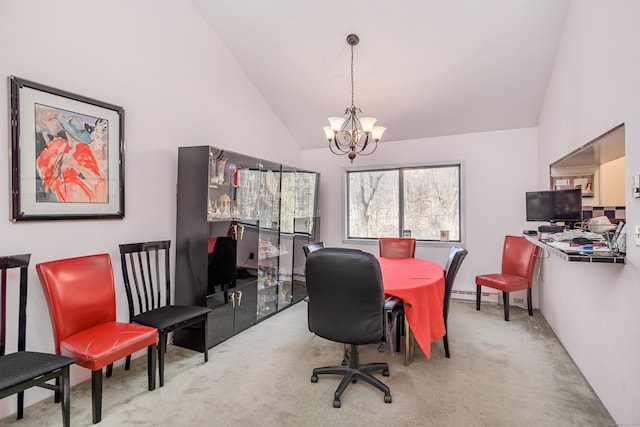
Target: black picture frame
pixel 67 155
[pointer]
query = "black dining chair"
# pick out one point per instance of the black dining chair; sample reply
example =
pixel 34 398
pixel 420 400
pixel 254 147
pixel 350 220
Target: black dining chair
pixel 346 305
pixel 456 256
pixel 147 281
pixel 23 369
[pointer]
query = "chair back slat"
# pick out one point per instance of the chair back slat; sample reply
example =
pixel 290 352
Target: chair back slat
pixel 146 279
pixel 136 283
pixel 143 275
pixel 7 263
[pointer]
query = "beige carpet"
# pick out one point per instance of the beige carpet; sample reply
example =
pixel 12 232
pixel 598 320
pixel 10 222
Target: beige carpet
pixel 500 374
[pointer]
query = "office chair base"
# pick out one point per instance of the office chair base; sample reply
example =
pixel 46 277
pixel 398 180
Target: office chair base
pixel 352 373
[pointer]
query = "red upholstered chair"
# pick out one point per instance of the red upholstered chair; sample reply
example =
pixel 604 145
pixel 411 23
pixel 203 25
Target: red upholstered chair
pixel 397 247
pixel 518 262
pixel 82 303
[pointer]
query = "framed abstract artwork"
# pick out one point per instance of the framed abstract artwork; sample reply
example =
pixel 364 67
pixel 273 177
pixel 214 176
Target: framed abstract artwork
pixel 67 155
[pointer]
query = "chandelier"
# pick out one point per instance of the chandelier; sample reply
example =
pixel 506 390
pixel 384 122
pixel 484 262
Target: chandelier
pixel 351 135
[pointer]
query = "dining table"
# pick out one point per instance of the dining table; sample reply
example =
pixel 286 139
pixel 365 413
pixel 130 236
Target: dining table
pixel 419 284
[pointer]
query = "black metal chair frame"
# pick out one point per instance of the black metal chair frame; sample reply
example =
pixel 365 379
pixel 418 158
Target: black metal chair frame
pixel 149 305
pixel 456 256
pixel 23 369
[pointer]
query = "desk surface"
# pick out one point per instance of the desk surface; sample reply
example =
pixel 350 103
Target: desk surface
pixel 568 253
pixel 420 285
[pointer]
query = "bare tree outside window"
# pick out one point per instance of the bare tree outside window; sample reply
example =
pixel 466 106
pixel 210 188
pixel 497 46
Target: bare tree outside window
pixel 431 202
pixel 424 200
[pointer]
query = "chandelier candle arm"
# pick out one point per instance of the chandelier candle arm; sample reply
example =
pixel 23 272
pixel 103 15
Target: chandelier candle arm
pixel 351 135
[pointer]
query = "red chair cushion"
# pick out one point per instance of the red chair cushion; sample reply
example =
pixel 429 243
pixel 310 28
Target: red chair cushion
pixel 105 343
pixel 503 282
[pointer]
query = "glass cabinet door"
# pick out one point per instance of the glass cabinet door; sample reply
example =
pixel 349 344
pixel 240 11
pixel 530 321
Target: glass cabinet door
pixel 269 248
pixel 234 185
pixel 306 223
pixel 287 213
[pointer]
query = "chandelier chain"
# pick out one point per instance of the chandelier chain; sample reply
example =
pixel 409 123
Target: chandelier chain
pixel 352 86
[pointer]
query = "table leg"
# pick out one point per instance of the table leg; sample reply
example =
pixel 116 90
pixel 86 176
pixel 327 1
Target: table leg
pixel 409 342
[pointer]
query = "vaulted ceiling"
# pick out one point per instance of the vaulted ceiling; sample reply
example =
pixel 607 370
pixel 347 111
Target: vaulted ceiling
pixel 423 68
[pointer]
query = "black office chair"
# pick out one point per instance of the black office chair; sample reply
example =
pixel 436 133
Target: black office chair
pixel 312 247
pixel 456 256
pixel 346 304
pixel 147 280
pixel 22 370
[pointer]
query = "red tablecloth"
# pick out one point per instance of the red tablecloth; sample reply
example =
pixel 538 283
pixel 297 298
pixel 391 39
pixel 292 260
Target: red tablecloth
pixel 420 285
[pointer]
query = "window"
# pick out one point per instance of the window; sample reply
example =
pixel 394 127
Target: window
pixel 423 201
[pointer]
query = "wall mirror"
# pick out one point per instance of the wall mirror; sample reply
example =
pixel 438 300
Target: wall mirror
pixel 597 168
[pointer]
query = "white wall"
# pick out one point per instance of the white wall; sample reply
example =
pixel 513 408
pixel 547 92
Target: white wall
pixel 612 182
pixel 179 86
pixel 594 308
pixel 499 166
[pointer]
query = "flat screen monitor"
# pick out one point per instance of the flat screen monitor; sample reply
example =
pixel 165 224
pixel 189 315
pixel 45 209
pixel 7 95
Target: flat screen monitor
pixel 555 205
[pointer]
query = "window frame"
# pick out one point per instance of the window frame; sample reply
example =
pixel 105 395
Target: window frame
pixel 400 166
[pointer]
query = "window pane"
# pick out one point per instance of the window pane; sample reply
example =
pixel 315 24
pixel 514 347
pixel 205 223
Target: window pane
pixel 431 202
pixel 373 204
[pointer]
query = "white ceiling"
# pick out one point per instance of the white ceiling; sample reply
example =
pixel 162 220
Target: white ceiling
pixel 424 68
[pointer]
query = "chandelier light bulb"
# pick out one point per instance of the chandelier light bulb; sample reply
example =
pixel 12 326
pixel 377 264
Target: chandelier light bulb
pixel 329 133
pixel 367 123
pixel 336 123
pixel 377 132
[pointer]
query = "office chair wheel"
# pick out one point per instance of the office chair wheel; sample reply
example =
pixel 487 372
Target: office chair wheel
pixel 336 403
pixel 385 372
pixel 387 399
pixel 381 347
pixel 314 378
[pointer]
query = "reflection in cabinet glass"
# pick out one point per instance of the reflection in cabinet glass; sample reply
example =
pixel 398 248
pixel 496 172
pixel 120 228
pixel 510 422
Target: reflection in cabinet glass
pixel 237 242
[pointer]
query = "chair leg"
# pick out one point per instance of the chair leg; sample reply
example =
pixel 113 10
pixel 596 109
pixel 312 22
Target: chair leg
pixel 505 301
pixel 478 294
pixel 127 363
pixel 96 395
pixel 58 388
pixel 151 366
pixel 162 345
pixel 65 390
pixel 109 370
pixel 445 340
pixel 399 327
pixel 529 302
pixel 205 338
pixel 20 403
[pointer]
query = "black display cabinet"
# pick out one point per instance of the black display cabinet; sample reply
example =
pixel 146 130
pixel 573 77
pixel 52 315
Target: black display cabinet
pixel 235 250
